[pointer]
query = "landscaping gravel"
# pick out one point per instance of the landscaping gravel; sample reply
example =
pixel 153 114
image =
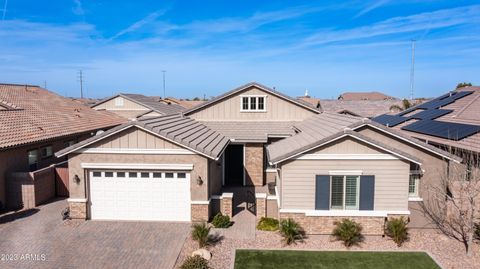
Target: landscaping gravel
pixel 447 252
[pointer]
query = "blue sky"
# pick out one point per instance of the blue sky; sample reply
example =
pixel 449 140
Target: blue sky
pixel 208 47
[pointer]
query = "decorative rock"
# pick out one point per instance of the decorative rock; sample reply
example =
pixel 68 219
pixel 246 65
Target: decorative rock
pixel 203 253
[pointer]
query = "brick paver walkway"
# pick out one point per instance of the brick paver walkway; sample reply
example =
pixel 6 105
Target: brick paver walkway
pixel 90 244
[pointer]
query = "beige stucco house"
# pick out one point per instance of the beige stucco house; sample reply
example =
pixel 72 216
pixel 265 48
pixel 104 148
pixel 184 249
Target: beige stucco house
pixel 296 161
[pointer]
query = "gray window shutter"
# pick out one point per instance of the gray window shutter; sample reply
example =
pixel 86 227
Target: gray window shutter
pixel 367 192
pixel 322 192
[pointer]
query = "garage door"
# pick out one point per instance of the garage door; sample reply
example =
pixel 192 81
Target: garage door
pixel 140 195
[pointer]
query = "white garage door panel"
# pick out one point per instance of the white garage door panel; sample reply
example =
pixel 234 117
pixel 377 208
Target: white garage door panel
pixel 127 198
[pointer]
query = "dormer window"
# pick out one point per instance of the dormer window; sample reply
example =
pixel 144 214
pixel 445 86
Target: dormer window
pixel 252 103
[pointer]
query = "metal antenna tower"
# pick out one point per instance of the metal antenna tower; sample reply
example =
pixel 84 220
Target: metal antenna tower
pixel 412 70
pixel 80 79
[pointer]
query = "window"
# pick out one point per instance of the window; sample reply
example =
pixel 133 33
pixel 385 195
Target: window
pixel 413 185
pixel 157 175
pixel 169 175
pixel 181 175
pixel 120 174
pixel 119 101
pixel 97 174
pixel 32 159
pixel 144 174
pixel 253 103
pixel 47 152
pixel 132 174
pixel 108 174
pixel 344 192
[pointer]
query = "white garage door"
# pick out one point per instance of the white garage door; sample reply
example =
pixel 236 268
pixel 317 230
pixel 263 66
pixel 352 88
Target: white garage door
pixel 140 195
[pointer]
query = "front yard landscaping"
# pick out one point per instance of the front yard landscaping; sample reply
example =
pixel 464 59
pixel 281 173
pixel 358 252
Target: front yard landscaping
pixel 286 259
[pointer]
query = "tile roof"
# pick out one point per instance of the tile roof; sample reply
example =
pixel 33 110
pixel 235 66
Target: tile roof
pixel 327 126
pixel 181 102
pixel 256 85
pixel 176 128
pixel 37 114
pixel 152 102
pixel 355 96
pixel 465 110
pixel 252 131
pixel 361 108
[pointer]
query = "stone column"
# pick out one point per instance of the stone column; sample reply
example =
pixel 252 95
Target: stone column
pixel 78 208
pixel 226 204
pixel 261 202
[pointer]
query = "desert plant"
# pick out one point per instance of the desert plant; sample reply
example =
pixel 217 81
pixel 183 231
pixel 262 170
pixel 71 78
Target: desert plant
pixel 348 231
pixel 195 262
pixel 200 233
pixel 397 229
pixel 267 224
pixel 221 221
pixel 291 231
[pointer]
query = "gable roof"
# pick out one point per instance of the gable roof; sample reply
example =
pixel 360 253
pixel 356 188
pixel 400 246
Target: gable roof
pixel 326 127
pixel 361 108
pixel 182 102
pixel 178 129
pixel 34 114
pixel 446 113
pixel 150 102
pixel 297 102
pixel 355 96
pixel 252 131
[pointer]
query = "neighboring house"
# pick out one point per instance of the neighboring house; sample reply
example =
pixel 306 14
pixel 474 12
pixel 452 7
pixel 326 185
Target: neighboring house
pixel 295 160
pixel 34 124
pixel 451 120
pixel 359 108
pixel 182 102
pixel 132 106
pixel 85 101
pixel 372 96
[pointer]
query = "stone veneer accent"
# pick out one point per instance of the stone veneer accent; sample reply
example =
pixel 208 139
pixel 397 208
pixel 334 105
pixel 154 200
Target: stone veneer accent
pixel 200 212
pixel 325 225
pixel 261 202
pixel 254 164
pixel 226 204
pixel 78 210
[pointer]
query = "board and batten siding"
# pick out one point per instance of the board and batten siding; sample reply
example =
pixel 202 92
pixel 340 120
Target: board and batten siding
pixel 127 105
pixel 134 138
pixel 391 181
pixel 228 109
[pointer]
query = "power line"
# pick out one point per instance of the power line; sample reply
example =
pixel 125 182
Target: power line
pixel 412 70
pixel 80 79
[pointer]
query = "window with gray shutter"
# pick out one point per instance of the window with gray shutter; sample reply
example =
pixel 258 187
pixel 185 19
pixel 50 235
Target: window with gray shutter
pixel 367 192
pixel 322 192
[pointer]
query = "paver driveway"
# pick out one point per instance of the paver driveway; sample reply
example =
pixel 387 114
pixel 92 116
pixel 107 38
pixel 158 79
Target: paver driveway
pixel 90 244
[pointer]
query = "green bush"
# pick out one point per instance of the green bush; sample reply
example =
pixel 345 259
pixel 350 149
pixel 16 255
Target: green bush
pixel 397 229
pixel 348 231
pixel 221 221
pixel 267 224
pixel 291 231
pixel 195 262
pixel 200 233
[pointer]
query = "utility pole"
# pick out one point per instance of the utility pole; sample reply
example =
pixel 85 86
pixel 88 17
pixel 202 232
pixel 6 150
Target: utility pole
pixel 164 94
pixel 80 78
pixel 412 70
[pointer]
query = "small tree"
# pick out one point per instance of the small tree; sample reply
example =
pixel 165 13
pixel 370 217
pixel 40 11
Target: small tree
pixel 463 84
pixel 404 106
pixel 452 204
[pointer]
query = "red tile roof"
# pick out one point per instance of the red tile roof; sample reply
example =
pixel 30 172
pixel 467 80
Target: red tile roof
pixel 35 114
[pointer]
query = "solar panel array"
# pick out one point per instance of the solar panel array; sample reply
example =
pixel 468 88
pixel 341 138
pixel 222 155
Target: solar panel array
pixel 426 123
pixel 448 130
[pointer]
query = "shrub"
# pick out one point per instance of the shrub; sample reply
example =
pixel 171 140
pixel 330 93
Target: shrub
pixel 221 221
pixel 348 231
pixel 200 234
pixel 267 224
pixel 195 262
pixel 291 231
pixel 397 229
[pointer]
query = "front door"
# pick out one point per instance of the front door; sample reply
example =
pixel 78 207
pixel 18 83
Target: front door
pixel 234 165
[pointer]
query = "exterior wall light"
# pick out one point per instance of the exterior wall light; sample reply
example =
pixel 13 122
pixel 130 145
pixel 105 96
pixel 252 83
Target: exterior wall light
pixel 199 180
pixel 76 179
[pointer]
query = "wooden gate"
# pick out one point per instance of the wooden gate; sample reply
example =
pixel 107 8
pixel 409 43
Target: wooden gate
pixel 61 180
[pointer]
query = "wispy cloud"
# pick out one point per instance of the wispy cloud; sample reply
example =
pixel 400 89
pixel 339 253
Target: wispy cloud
pixel 138 24
pixel 372 6
pixel 78 8
pixel 4 9
pixel 397 25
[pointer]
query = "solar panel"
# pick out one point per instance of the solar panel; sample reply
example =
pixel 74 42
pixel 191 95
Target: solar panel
pixel 430 114
pixel 448 130
pixel 444 100
pixel 389 120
